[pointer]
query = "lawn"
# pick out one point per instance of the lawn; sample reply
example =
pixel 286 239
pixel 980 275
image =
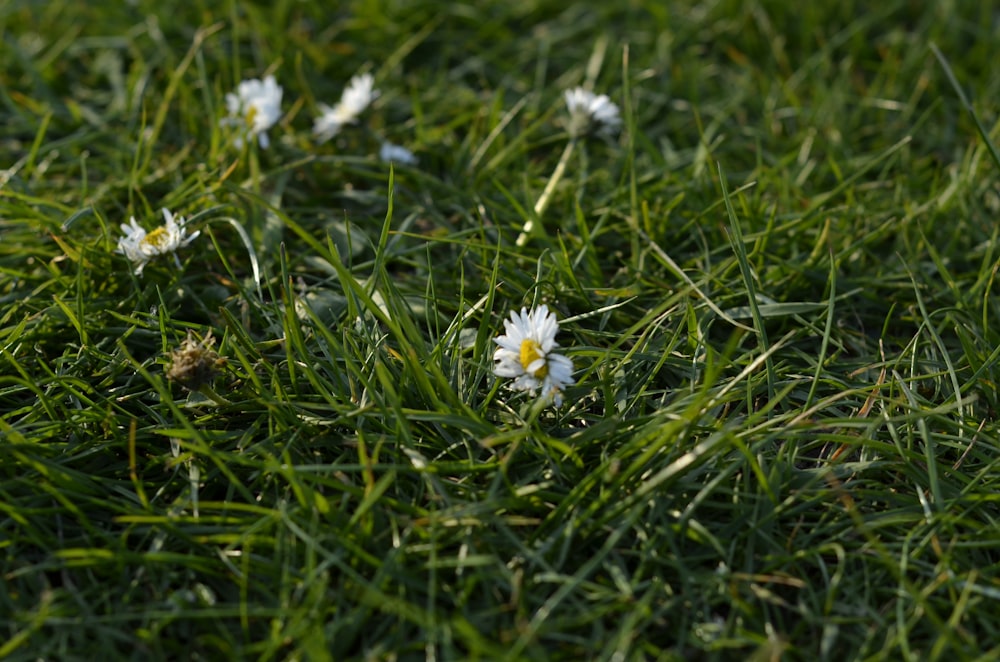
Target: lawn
pixel 280 426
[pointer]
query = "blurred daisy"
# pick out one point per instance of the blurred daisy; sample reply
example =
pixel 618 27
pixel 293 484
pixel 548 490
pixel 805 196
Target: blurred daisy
pixel 360 92
pixel 589 111
pixel 140 246
pixel 254 108
pixel 397 154
pixel 525 354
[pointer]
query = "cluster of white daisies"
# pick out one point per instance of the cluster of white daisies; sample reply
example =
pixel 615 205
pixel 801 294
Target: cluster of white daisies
pixel 256 106
pixel 526 351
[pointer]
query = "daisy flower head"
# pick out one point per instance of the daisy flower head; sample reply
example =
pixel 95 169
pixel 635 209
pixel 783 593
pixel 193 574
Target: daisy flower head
pixel 357 96
pixel 591 111
pixel 140 246
pixel 253 108
pixel 525 354
pixel 391 153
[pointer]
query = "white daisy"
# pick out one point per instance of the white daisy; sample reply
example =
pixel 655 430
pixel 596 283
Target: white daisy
pixel 140 247
pixel 360 92
pixel 525 353
pixel 396 153
pixel 254 108
pixel 588 110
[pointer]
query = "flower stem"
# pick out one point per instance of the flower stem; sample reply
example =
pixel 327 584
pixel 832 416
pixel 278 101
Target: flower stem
pixel 210 393
pixel 543 200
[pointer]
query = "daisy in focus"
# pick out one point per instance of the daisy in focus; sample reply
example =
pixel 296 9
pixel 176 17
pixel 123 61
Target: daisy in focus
pixel 391 153
pixel 589 111
pixel 358 95
pixel 525 354
pixel 140 246
pixel 253 108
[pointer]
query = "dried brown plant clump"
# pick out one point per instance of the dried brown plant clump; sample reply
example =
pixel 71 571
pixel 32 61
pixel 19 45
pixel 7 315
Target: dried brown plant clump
pixel 195 363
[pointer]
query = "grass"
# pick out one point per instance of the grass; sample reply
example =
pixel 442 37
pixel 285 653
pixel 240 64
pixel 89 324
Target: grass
pixel 776 285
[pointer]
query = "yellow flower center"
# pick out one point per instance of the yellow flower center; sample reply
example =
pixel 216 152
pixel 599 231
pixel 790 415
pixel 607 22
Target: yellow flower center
pixel 251 114
pixel 158 237
pixel 531 351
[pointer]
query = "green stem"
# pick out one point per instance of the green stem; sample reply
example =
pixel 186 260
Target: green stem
pixel 543 200
pixel 210 393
